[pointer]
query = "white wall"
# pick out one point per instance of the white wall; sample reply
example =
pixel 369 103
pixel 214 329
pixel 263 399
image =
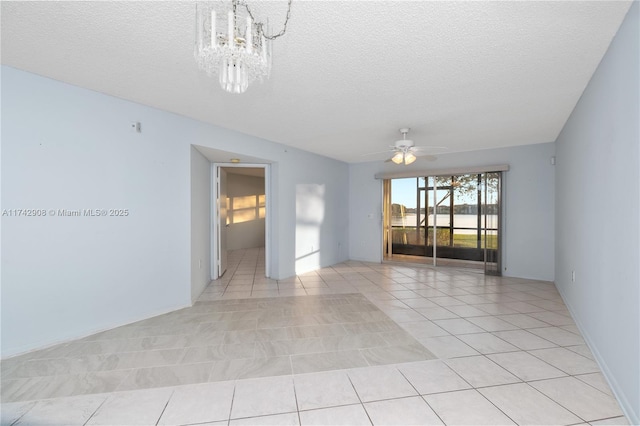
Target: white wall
pixel 69 148
pixel 320 206
pixel 597 205
pixel 243 232
pixel 200 223
pixel 528 201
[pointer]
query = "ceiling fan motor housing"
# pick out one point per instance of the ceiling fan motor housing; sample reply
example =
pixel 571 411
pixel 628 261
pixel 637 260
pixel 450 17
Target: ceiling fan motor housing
pixel 404 143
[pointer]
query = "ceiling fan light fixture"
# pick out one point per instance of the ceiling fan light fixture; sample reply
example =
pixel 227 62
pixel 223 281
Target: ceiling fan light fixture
pixel 409 158
pixel 398 157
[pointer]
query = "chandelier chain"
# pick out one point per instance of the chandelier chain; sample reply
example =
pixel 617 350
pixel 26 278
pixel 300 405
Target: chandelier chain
pixel 284 28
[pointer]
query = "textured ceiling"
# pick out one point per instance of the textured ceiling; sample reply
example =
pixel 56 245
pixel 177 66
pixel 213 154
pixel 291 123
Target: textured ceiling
pixel 465 75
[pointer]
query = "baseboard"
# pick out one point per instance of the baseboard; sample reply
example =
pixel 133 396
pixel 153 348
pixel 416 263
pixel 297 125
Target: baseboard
pixel 625 405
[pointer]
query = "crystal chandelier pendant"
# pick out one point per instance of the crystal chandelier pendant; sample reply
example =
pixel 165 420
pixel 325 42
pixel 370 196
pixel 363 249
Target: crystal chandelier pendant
pixel 232 45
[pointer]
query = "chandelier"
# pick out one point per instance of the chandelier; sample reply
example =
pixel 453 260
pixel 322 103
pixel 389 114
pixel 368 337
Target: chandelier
pixel 234 45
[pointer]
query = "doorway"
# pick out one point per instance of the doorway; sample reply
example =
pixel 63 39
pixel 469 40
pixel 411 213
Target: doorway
pixel 450 220
pixel 240 212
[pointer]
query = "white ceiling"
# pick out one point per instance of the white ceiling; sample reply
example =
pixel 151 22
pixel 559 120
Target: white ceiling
pixel 467 75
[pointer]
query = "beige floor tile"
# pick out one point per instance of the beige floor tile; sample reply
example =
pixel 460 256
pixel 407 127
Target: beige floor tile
pixel 201 403
pixel 495 309
pixel 466 311
pixel 567 361
pixel 437 313
pixel 458 326
pixel 525 366
pixel 70 410
pixel 348 415
pixel 432 377
pixel 419 302
pixel 581 350
pixel 261 397
pixel 132 408
pixel 396 354
pixel 250 368
pixel 217 353
pixel 524 340
pixel 250 336
pixel 492 323
pixel 145 378
pixel 248 326
pixel 572 328
pixel 424 328
pixel 265 293
pixel 480 371
pixel 404 315
pixel 558 336
pixel 429 292
pixel 523 307
pixel 552 318
pixel 526 406
pixel 446 301
pixel 404 294
pixel 616 421
pixel 403 411
pixel 363 341
pixel 322 390
pixel 583 400
pixel 597 380
pixel 313 363
pixel 487 343
pixel 522 321
pixel 288 347
pixel 447 347
pixel 12 411
pixel 21 389
pixel 377 383
pixel 288 419
pixel 466 407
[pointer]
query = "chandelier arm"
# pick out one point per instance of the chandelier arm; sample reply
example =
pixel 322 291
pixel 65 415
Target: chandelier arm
pixel 286 21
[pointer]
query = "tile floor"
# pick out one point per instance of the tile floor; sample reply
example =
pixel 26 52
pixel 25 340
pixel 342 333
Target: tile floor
pixel 356 343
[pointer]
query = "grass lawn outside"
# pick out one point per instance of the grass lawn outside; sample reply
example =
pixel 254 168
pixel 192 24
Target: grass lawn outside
pixel 408 235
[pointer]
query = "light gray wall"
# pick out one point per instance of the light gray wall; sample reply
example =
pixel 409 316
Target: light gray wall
pixel 528 205
pixel 65 147
pixel 597 205
pixel 249 234
pixel 200 223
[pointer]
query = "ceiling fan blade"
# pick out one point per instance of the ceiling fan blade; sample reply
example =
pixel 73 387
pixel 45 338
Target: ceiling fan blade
pixel 430 148
pixel 375 153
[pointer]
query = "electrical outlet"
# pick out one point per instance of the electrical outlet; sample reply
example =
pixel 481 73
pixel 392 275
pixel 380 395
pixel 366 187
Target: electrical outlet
pixel 573 276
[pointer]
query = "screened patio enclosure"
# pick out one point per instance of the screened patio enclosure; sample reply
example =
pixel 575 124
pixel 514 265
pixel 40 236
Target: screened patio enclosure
pixel 462 211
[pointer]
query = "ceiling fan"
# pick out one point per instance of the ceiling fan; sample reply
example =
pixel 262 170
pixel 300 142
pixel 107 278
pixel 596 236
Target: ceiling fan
pixel 406 152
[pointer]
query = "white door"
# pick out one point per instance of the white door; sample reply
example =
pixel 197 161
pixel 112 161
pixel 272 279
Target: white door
pixel 222 221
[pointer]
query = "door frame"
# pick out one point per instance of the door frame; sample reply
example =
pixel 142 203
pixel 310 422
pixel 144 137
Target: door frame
pixel 482 213
pixel 214 213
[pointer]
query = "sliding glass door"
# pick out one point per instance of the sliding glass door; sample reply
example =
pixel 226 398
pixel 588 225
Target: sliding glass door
pixel 446 218
pixel 492 222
